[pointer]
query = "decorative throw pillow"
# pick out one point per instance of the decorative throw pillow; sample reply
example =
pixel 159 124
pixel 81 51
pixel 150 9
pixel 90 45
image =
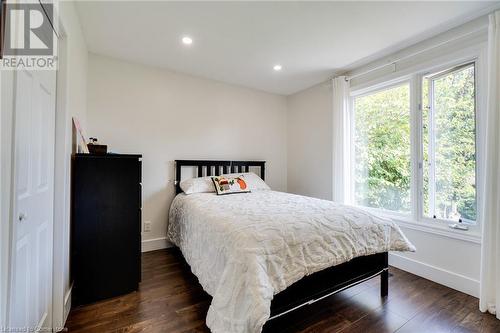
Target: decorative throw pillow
pixel 228 185
pixel 254 182
pixel 198 185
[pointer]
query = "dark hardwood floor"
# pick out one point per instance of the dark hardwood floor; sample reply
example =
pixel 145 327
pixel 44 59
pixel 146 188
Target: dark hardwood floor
pixel 170 299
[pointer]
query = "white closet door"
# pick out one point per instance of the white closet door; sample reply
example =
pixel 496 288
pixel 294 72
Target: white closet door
pixel 31 275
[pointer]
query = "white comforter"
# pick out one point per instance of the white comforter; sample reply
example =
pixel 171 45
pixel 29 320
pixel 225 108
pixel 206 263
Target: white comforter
pixel 245 248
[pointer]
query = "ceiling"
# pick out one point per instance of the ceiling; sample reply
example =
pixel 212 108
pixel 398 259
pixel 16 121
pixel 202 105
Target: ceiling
pixel 240 42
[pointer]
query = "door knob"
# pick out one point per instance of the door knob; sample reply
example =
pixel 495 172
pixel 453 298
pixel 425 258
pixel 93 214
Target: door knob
pixel 22 216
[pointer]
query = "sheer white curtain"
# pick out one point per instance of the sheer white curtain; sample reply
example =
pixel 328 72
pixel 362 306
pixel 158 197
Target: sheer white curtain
pixel 489 299
pixel 340 138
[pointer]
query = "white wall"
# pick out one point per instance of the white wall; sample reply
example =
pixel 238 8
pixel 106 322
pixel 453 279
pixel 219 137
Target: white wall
pixel 167 116
pixel 77 58
pixel 449 261
pixel 310 142
pixel 443 255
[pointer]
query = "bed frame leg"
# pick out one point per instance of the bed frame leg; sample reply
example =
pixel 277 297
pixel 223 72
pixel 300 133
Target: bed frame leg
pixel 384 283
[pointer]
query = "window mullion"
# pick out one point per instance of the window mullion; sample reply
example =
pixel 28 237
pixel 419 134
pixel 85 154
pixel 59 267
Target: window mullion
pixel 415 133
pixel 349 195
pixel 432 151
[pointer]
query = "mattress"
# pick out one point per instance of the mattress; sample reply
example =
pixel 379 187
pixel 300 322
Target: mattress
pixel 246 248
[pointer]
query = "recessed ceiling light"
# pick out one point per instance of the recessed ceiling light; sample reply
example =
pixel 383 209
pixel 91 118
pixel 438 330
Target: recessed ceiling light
pixel 187 40
pixel 277 68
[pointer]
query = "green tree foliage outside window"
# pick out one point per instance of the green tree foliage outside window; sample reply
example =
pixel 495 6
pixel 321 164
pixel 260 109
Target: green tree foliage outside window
pixel 382 149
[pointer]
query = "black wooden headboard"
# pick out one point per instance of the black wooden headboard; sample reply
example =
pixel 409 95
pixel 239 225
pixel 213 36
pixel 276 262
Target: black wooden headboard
pixel 215 167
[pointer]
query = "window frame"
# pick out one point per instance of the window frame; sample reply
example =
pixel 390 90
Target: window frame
pixel 438 74
pixel 416 218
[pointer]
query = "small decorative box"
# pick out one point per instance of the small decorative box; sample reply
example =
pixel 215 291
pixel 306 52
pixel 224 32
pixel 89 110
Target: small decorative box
pixel 98 149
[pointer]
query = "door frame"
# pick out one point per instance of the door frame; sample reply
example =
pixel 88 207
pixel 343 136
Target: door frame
pixel 61 298
pixel 6 149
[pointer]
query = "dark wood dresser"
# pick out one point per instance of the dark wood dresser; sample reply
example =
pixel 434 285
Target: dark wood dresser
pixel 106 226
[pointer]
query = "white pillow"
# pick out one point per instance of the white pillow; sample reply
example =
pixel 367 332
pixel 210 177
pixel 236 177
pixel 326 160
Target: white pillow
pixel 254 182
pixel 198 185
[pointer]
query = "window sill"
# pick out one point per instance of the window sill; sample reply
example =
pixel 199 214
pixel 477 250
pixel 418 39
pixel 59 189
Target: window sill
pixel 472 235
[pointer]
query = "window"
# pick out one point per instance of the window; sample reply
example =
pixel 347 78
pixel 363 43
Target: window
pixel 382 149
pixel 421 164
pixel 449 144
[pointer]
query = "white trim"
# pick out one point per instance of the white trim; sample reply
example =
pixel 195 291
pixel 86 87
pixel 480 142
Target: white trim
pixel 380 86
pixel 351 150
pixel 3 238
pixel 61 187
pixel 474 55
pixel 439 229
pixel 431 226
pixel 6 139
pixel 155 244
pixel 66 310
pixel 442 276
pixel 41 322
pixel 415 139
pixel 473 61
pixel 67 304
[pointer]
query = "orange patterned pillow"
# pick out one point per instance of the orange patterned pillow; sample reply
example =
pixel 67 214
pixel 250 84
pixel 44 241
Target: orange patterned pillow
pixel 228 185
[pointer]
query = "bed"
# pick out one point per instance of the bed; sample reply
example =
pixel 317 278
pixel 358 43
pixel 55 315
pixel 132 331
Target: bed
pixel 263 254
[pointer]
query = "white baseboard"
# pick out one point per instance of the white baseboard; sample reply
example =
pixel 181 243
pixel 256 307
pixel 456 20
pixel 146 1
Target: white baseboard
pixel 155 244
pixel 450 279
pixel 67 305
